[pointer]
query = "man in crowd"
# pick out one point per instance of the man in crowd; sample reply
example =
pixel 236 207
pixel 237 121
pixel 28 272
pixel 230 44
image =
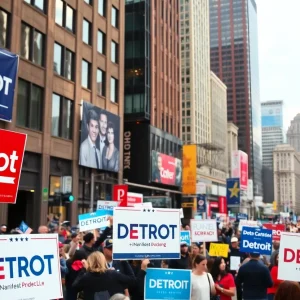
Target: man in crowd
pixel 3 229
pixel 255 278
pixel 276 245
pixel 183 262
pixel 43 229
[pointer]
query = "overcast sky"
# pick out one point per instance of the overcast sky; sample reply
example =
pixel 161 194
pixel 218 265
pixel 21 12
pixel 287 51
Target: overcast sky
pixel 279 53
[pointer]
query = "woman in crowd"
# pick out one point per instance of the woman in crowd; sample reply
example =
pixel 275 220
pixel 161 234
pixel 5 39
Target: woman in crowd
pixel 276 281
pixel 288 290
pixel 203 286
pixel 97 281
pixel 224 282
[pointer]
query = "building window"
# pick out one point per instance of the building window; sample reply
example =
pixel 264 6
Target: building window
pixel 89 2
pixel 87 32
pixel 64 15
pixel 85 74
pixel 101 42
pixel 32 44
pixel 4 30
pixel 113 90
pixel 100 82
pixel 64 61
pixel 114 52
pixel 114 17
pixel 101 7
pixel 29 105
pixel 62 117
pixel 40 4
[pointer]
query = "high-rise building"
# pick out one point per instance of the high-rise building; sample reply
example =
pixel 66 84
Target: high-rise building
pixel 293 133
pixel 152 144
pixel 272 135
pixel 69 51
pixel 287 179
pixel 234 58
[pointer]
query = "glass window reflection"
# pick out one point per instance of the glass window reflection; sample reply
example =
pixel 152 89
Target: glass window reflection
pixel 25 40
pixel 57 58
pixel 101 7
pixel 85 74
pixel 114 17
pixel 3 29
pixel 70 18
pixel 38 48
pixel 100 82
pixel 86 31
pixel 101 42
pixel 59 7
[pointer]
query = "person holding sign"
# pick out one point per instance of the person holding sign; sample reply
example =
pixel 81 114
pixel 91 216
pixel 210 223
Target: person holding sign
pixel 224 282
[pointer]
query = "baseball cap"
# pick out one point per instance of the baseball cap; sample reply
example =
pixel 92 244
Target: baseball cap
pixel 108 243
pixel 234 239
pixel 183 244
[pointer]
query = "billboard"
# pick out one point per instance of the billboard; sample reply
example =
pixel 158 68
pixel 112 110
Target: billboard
pixel 99 139
pixel 271 115
pixel 189 169
pixel 166 169
pixel 9 67
pixel 239 168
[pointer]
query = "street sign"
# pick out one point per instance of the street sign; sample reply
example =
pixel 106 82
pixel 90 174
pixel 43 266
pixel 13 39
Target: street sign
pixel 45 194
pixel 120 192
pixel 12 147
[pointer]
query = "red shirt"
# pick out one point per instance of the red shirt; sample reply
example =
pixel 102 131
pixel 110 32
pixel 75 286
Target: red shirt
pixel 276 281
pixel 226 283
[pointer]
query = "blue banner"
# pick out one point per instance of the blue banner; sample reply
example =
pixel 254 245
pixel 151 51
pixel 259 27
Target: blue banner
pixel 9 67
pixel 185 237
pixel 201 204
pixel 241 216
pixel 256 240
pixel 233 191
pixel 167 284
pixel 95 220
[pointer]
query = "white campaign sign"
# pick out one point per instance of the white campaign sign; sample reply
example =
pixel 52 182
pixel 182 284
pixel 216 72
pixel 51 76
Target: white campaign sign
pixel 146 233
pixel 204 230
pixel 247 223
pixel 289 256
pixel 106 205
pixel 30 267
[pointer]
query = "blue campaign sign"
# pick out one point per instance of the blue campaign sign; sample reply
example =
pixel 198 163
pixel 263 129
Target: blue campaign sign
pixel 241 216
pixel 9 67
pixel 201 204
pixel 256 240
pixel 167 284
pixel 95 220
pixel 185 237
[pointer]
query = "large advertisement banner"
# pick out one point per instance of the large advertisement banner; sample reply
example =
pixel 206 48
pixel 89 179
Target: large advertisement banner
pixel 166 169
pixel 9 63
pixel 239 168
pixel 271 115
pixel 30 267
pixel 12 147
pixel 99 139
pixel 140 233
pixel 189 169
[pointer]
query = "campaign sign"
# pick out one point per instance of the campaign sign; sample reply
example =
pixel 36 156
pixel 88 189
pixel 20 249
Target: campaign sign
pixel 94 220
pixel 106 205
pixel 276 230
pixel 167 284
pixel 146 233
pixel 30 267
pixel 185 237
pixel 204 230
pixel 256 240
pixel 289 256
pixel 134 198
pixel 248 223
pixel 218 250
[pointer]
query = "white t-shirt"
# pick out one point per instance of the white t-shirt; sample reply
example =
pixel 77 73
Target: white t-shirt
pixel 200 286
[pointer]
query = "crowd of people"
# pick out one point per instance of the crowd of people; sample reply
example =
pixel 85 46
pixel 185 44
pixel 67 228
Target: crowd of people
pixel 88 271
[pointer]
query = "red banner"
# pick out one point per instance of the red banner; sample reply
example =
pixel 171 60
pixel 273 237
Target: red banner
pixel 120 192
pixel 276 230
pixel 222 205
pixel 12 147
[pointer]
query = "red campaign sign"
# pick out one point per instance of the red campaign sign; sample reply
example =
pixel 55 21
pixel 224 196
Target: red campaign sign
pixel 120 192
pixel 222 205
pixel 12 147
pixel 276 230
pixel 134 198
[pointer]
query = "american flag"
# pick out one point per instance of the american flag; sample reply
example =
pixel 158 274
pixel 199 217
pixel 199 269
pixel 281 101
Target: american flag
pixel 24 228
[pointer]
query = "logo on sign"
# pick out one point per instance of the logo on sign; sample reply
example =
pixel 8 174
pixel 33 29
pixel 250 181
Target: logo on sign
pixel 8 162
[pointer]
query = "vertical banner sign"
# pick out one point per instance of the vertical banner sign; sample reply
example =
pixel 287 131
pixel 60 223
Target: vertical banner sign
pixel 189 172
pixel 120 192
pixel 222 205
pixel 167 284
pixel 204 231
pixel 233 191
pixel 8 72
pixel 140 233
pixel 29 267
pixel 201 204
pixel 12 147
pixel 239 168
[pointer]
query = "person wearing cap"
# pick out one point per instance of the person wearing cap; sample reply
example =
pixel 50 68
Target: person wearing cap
pixel 3 229
pixel 184 262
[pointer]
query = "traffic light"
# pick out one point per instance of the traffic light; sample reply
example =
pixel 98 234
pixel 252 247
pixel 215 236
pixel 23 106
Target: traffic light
pixel 68 197
pixel 71 198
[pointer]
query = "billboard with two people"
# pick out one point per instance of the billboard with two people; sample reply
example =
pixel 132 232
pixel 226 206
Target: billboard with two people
pixel 99 139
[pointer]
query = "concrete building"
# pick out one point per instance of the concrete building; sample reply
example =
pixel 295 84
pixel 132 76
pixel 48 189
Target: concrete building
pixel 272 135
pixel 152 98
pixel 69 51
pixel 234 59
pixel 287 179
pixel 232 143
pixel 293 133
